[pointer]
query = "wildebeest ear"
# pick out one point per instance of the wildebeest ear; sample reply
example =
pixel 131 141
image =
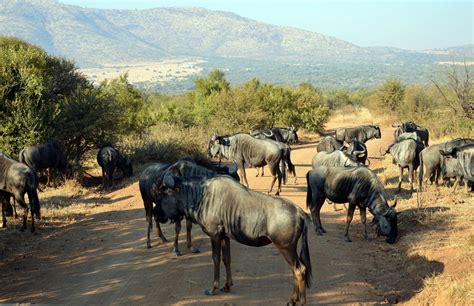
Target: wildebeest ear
pixel 169 181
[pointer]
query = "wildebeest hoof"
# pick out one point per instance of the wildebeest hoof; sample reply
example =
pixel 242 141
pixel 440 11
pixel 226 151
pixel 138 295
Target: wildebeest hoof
pixel 177 253
pixel 323 230
pixel 194 250
pixel 148 246
pixel 225 288
pixel 348 239
pixel 291 303
pixel 319 232
pixel 210 291
pixel 22 229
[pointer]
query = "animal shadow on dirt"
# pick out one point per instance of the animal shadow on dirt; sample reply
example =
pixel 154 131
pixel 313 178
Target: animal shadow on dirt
pixel 397 275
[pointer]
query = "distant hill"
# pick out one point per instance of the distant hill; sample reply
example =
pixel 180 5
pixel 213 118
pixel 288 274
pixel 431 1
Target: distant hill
pixel 97 37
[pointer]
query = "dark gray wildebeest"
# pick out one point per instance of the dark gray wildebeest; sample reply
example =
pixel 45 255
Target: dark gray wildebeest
pixel 431 160
pixel 407 135
pixel 359 187
pixel 406 155
pixel 5 196
pixel 328 144
pixel 151 179
pixel 358 150
pixel 48 156
pixel 245 149
pixel 285 135
pixel 361 133
pixel 410 126
pixel 109 159
pixel 459 163
pixel 226 209
pixel 17 179
pixel 334 159
pixel 286 151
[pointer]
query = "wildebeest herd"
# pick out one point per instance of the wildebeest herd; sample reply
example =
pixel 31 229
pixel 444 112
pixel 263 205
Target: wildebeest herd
pixel 209 194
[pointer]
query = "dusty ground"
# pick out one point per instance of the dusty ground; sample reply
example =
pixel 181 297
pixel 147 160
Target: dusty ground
pixel 100 256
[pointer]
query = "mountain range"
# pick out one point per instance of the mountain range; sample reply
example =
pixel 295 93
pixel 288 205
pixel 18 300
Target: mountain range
pixel 97 37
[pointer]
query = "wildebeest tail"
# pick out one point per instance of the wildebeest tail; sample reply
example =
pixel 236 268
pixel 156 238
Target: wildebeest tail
pixel 304 253
pixel 309 192
pixel 420 175
pixel 283 169
pixel 33 194
pixel 291 167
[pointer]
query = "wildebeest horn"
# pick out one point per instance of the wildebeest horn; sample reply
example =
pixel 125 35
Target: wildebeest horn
pixel 268 135
pixel 395 202
pixel 168 181
pixel 396 124
pixel 357 153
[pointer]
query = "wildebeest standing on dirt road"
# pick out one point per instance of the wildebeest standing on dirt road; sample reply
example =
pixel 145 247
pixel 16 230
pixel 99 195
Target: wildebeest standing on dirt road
pixel 151 179
pixel 49 155
pixel 245 149
pixel 109 159
pixel 358 186
pixel 459 163
pixel 406 154
pixel 409 127
pixel 226 209
pixel 431 159
pixel 328 144
pixel 361 133
pixel 18 179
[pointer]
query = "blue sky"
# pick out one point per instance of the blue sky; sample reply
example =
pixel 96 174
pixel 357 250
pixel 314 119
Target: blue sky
pixel 409 24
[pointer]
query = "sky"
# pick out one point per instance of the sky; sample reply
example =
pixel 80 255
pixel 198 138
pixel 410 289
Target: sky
pixel 409 24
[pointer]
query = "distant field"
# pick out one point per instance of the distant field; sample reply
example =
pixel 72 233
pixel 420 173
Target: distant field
pixel 151 73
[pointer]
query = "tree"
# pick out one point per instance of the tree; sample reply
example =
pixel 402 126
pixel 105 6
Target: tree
pixel 391 94
pixel 458 92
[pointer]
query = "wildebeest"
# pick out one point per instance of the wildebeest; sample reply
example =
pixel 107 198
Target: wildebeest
pixel 284 135
pixel 431 159
pixel 358 149
pixel 406 155
pixel 328 144
pixel 5 196
pixel 286 161
pixel 334 159
pixel 109 159
pixel 407 135
pixel 226 209
pixel 151 179
pixel 410 126
pixel 361 133
pixel 459 163
pixel 245 149
pixel 17 179
pixel 49 155
pixel 359 187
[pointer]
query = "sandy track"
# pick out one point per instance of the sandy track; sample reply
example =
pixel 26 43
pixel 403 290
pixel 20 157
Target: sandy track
pixel 102 259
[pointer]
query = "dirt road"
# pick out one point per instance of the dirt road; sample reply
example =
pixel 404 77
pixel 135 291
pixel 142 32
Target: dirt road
pixel 102 259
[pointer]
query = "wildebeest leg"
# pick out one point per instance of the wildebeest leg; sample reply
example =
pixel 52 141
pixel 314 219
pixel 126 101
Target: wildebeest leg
pixel 226 261
pixel 216 258
pixel 189 225
pixel 14 209
pixel 299 289
pixel 350 215
pixel 363 219
pixel 456 184
pixel 159 232
pixel 241 167
pixel 177 229
pixel 274 170
pixel 411 174
pixel 400 179
pixel 4 218
pixel 263 171
pixel 316 216
pixel 148 208
pixel 103 179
